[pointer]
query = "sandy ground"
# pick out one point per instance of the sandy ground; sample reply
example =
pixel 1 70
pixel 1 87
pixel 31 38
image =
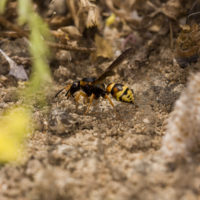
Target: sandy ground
pixel 105 154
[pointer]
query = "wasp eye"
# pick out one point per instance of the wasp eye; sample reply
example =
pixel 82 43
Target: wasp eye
pixel 75 87
pixel 75 84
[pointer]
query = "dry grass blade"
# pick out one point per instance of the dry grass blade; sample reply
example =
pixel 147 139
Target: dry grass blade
pixel 84 14
pixel 4 22
pixel 170 9
pixel 123 14
pixel 21 33
pixel 71 48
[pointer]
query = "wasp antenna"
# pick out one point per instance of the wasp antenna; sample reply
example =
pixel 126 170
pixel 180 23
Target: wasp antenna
pixel 67 88
pixel 67 94
pixel 58 92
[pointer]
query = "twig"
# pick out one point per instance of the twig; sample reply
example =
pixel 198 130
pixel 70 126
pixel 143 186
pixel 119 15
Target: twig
pixel 4 22
pixel 9 34
pixel 171 35
pixel 68 47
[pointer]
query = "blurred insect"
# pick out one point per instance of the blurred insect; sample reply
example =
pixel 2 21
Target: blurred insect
pixel 93 88
pixel 188 42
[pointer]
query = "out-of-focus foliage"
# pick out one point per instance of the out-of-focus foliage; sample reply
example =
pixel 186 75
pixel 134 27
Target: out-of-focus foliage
pixel 110 20
pixel 24 10
pixel 15 124
pixel 104 48
pixel 2 5
pixel 14 127
pixel 38 48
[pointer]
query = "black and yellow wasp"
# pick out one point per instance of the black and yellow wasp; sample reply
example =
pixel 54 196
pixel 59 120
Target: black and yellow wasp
pixel 93 88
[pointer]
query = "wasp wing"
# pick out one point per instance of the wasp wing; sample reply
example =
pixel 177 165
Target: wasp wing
pixel 115 63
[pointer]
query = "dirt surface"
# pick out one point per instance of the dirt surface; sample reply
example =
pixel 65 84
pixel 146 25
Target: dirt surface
pixel 106 153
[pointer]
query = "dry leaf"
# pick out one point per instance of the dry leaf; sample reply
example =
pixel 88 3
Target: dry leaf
pixel 84 14
pixel 15 70
pixel 110 20
pixel 171 9
pixel 104 48
pixel 60 34
pixel 72 31
pixel 155 28
pixel 58 21
pixel 123 13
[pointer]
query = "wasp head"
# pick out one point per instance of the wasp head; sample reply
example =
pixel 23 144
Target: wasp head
pixel 75 86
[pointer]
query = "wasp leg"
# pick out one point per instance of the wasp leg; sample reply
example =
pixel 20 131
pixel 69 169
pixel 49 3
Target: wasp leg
pixel 77 97
pixel 58 92
pixel 90 103
pixel 110 101
pixel 67 88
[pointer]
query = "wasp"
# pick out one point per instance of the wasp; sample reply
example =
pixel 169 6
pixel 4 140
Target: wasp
pixel 188 41
pixel 93 88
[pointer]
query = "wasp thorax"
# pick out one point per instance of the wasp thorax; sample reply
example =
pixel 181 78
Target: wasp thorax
pixel 109 87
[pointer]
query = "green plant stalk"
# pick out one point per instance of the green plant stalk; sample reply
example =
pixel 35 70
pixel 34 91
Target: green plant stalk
pixel 39 50
pixel 2 5
pixel 15 124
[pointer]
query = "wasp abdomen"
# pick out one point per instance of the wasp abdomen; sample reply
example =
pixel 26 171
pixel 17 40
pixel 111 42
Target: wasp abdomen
pixel 120 92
